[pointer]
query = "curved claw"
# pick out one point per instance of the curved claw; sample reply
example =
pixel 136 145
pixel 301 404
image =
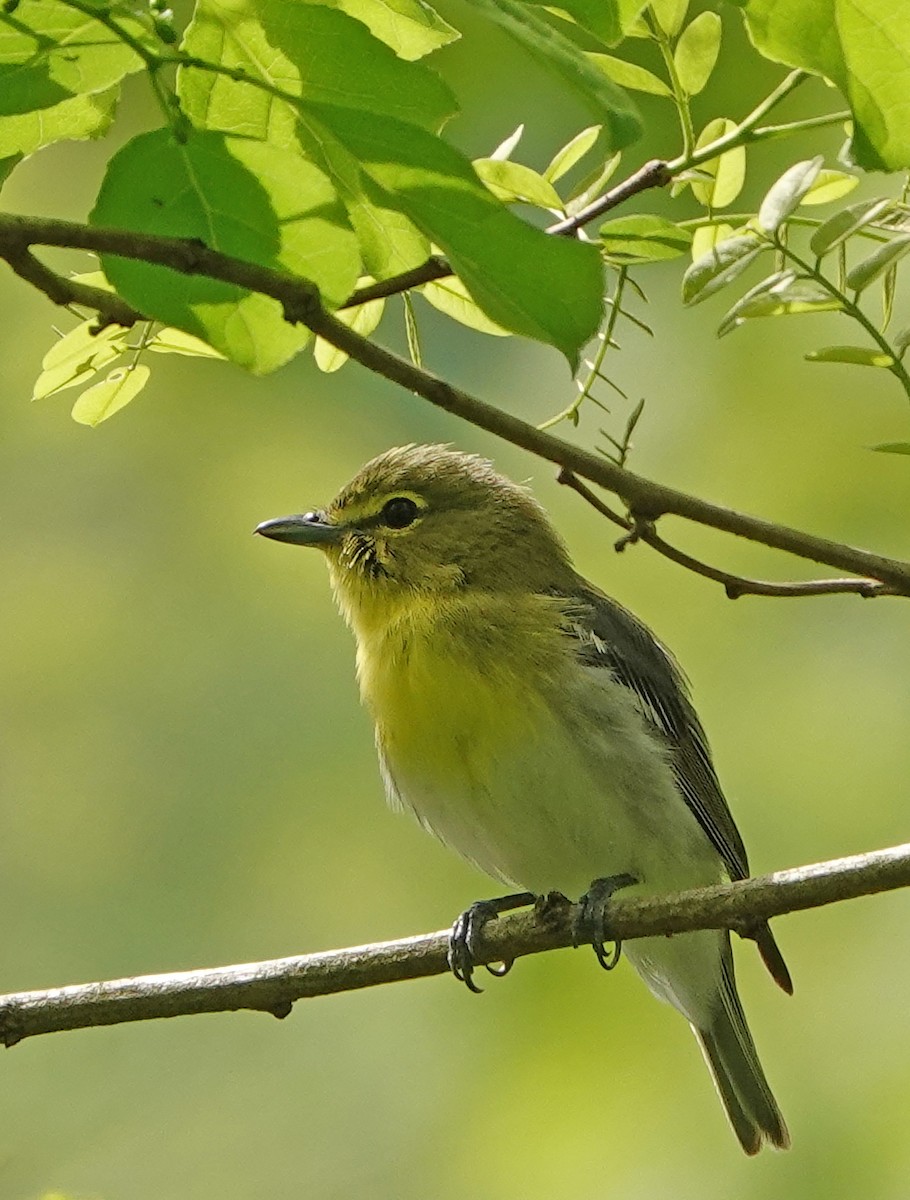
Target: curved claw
pixel 462 957
pixel 592 926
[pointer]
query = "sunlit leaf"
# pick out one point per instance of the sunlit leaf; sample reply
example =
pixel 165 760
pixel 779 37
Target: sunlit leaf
pixel 410 27
pixel 51 52
pixel 451 297
pixel 75 119
pixel 867 271
pixel 696 52
pixel 860 356
pixel 504 149
pixel 720 267
pixel 786 193
pixel 572 153
pixel 725 175
pixel 706 237
pixel 363 319
pixel 670 15
pixel 104 399
pixel 175 341
pixel 829 185
pixel 863 47
pixel 239 196
pixel 629 75
pixel 781 295
pixel 77 355
pixel 643 238
pixel 512 182
pixel 845 223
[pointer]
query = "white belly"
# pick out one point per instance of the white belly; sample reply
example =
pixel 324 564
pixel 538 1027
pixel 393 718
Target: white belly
pixel 548 796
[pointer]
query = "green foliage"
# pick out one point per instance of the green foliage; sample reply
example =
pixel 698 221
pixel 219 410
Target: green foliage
pixel 307 138
pixel 863 46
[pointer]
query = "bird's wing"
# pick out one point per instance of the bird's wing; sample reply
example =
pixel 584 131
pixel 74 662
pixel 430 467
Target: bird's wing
pixel 611 637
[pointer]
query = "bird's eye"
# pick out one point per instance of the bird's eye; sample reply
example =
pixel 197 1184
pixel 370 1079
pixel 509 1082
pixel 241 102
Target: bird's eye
pixel 399 512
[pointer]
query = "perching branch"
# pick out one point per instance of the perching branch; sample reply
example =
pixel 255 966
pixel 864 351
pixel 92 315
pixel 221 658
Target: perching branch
pixel 646 500
pixel 275 985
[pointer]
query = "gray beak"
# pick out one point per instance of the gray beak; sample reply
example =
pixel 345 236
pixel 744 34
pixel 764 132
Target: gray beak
pixel 303 529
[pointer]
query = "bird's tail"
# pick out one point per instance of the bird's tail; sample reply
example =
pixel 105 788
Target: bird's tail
pixel 730 1053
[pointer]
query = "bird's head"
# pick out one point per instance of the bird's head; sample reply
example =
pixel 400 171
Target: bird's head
pixel 428 519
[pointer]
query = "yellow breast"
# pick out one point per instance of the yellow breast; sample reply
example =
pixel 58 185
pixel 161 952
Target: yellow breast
pixel 451 682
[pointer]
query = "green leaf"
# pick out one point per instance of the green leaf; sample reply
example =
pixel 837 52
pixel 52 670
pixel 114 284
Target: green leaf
pixel 780 295
pixel 608 20
pixel 901 341
pixel 175 341
pixel 572 153
pixel 720 266
pixel 512 182
pixel 829 185
pixel 644 238
pixel 310 53
pixel 524 280
pixel 726 174
pixel 867 271
pixel 77 355
pixel 892 447
pixel 785 195
pixel 629 75
pixel 610 104
pixel 706 237
pixel 862 46
pixel 241 197
pixel 410 27
pixel 451 297
pixel 363 319
pixel 860 356
pixel 696 52
pixel 504 149
pixel 50 52
pixel 104 399
pixel 669 15
pixel 74 119
pixel 845 223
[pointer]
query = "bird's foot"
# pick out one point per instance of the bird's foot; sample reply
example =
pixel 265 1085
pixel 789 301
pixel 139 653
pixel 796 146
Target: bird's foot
pixel 591 925
pixel 462 956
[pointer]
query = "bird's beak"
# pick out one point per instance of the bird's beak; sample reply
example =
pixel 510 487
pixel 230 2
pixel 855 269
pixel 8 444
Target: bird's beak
pixel 302 529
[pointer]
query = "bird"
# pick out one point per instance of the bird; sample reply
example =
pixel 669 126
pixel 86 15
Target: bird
pixel 538 728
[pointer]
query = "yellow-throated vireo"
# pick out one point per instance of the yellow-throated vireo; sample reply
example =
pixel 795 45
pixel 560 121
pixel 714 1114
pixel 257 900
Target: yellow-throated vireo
pixel 538 727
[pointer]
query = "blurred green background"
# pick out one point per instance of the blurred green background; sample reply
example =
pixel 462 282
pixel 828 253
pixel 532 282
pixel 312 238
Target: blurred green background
pixel 188 779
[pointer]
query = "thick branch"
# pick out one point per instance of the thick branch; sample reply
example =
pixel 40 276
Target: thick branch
pixel 273 986
pixel 299 298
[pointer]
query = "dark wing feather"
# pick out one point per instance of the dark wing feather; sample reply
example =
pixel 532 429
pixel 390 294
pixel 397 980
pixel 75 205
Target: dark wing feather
pixel 613 638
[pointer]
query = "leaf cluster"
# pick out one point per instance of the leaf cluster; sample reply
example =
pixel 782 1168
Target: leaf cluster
pixel 307 138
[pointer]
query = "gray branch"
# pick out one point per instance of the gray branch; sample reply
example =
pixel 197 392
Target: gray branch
pixel 275 985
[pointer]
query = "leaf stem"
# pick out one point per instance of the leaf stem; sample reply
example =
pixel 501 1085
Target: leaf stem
pixel 680 98
pixel 570 413
pixel 852 309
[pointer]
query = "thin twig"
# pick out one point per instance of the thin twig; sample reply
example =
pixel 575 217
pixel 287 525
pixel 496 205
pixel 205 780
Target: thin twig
pixel 275 985
pixel 734 585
